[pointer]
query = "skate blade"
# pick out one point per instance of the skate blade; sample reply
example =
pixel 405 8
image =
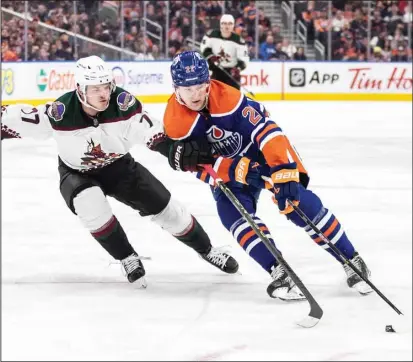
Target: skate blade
pixel 363 288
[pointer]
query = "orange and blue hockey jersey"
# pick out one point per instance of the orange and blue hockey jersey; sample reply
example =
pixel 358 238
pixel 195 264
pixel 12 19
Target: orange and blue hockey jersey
pixel 234 125
pixel 238 126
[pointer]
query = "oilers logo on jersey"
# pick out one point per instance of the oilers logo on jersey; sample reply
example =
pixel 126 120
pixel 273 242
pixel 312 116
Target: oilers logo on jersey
pixel 224 143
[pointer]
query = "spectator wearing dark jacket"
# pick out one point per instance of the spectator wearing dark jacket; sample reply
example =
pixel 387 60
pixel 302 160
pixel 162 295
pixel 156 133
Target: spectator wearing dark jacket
pixel 279 53
pixel 299 54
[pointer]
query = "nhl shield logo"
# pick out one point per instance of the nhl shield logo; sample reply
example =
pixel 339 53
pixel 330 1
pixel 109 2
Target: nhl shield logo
pixel 224 143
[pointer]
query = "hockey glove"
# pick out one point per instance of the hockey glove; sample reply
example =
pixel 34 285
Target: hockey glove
pixel 187 155
pixel 213 61
pixel 242 170
pixel 286 178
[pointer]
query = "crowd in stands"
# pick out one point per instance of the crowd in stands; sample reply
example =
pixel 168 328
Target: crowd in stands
pixel 102 21
pixel 388 39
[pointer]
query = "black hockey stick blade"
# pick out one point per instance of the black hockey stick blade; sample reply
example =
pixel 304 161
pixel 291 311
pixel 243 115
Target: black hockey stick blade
pixel 313 318
pixel 315 312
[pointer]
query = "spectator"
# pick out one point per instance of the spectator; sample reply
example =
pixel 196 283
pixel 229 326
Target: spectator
pixel 276 33
pixel 288 48
pixel 349 25
pixel 264 20
pixel 359 23
pixel 299 55
pixel 399 55
pixel 156 53
pixel 8 55
pixel 408 16
pixel 377 23
pixel 143 53
pixel 186 27
pixel 386 52
pixel 267 48
pixel 279 53
pixel 338 22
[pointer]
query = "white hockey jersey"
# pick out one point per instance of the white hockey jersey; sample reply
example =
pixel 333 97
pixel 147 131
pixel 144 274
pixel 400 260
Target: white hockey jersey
pixel 85 142
pixel 233 51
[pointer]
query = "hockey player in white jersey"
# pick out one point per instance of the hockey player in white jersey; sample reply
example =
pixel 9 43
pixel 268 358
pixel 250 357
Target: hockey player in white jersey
pixel 94 127
pixel 226 52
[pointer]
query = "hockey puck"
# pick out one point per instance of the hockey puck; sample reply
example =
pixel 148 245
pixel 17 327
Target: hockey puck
pixel 389 328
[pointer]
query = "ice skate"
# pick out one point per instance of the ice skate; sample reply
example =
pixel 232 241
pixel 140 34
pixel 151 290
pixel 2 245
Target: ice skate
pixel 218 258
pixel 353 280
pixel 134 270
pixel 282 287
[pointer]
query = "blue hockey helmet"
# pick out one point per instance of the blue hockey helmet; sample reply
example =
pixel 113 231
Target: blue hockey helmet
pixel 189 68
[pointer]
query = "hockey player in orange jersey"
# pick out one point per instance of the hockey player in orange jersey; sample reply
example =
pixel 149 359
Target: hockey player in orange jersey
pixel 213 123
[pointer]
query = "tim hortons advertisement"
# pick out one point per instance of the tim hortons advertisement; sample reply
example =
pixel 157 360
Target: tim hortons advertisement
pixel 349 77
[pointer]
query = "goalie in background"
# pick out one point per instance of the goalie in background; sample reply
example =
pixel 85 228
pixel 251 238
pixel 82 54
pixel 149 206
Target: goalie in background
pixel 226 52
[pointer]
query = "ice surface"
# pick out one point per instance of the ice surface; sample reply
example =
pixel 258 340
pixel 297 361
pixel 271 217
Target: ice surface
pixel 63 300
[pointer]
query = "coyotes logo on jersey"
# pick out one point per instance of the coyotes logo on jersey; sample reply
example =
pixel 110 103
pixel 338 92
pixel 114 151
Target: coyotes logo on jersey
pixel 96 157
pixel 224 57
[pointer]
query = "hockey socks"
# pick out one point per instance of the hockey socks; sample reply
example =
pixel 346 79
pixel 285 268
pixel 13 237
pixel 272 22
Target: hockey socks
pixel 113 239
pixel 328 224
pixel 252 244
pixel 325 221
pixel 195 237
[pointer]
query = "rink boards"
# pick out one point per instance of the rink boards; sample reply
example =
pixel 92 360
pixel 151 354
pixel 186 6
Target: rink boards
pixel 39 82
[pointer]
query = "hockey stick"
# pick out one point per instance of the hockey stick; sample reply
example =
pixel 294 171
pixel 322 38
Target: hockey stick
pixel 234 80
pixel 338 252
pixel 316 312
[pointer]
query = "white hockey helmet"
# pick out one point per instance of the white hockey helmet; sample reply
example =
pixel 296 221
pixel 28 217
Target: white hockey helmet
pixel 92 71
pixel 227 18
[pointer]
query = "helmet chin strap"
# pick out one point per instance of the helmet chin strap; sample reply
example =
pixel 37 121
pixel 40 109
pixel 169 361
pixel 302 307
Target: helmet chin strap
pixel 180 100
pixel 83 101
pixel 86 104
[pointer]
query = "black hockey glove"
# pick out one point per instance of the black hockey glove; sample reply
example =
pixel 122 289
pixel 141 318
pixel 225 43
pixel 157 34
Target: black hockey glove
pixel 187 155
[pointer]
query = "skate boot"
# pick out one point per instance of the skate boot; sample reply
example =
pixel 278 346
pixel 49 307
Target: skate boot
pixel 134 269
pixel 353 280
pixel 221 260
pixel 282 287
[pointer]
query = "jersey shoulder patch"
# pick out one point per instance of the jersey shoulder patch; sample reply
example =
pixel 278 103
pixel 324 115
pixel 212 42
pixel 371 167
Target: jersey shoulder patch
pixel 61 110
pixel 122 105
pixel 56 111
pixel 125 100
pixel 220 91
pixel 179 121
